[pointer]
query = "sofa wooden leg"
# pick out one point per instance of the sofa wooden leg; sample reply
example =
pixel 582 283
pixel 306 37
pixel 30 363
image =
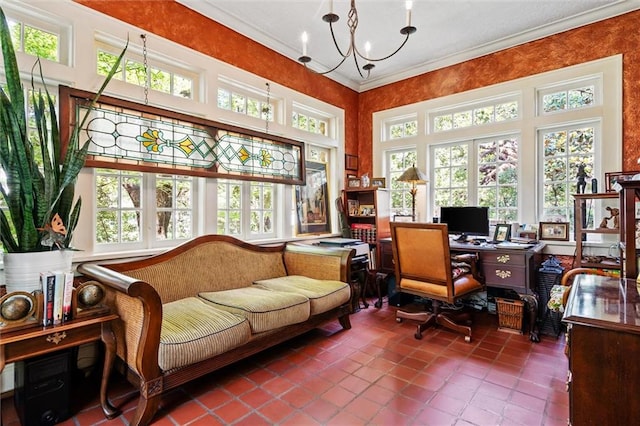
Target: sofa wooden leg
pixel 345 322
pixel 147 408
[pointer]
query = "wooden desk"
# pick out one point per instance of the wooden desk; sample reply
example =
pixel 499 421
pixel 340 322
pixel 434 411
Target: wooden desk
pixel 510 268
pixel 603 341
pixel 501 267
pixel 34 341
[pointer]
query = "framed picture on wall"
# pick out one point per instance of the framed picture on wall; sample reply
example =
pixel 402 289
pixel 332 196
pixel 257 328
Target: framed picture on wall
pixel 350 162
pixel 312 201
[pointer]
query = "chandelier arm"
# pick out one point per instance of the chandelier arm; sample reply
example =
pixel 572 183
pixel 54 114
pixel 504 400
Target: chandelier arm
pixel 388 56
pixel 331 70
pixel 335 43
pixel 355 59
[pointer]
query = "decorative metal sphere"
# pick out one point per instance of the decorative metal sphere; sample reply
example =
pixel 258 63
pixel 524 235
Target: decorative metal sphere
pixel 90 295
pixel 15 308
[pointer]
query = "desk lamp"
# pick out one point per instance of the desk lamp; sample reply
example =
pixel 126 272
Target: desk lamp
pixel 415 177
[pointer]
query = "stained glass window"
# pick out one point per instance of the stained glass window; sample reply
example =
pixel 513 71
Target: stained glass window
pixel 146 138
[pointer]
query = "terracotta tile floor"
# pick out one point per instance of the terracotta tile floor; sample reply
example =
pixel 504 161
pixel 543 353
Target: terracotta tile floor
pixel 376 373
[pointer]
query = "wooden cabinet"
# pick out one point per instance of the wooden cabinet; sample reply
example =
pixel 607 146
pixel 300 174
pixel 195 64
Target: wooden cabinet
pixel 368 213
pixel 629 195
pixel 590 209
pixel 603 338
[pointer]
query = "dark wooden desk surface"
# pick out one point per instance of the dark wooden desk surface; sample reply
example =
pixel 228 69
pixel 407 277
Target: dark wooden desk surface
pixel 605 302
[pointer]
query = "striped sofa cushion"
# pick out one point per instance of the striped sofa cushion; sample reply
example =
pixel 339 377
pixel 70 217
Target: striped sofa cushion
pixel 266 310
pixel 323 295
pixel 193 330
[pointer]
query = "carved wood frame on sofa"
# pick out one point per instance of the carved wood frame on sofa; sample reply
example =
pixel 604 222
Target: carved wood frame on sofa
pixel 140 306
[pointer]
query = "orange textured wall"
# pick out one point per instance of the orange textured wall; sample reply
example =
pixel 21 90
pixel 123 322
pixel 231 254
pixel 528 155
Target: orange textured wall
pixel 201 34
pixel 618 35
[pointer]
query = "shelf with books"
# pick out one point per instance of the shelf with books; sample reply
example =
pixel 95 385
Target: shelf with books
pixel 368 213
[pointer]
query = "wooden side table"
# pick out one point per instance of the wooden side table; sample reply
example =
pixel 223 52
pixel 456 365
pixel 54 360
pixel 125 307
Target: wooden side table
pixel 26 343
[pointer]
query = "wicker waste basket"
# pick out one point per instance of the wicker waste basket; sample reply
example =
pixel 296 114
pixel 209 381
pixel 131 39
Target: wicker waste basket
pixel 510 315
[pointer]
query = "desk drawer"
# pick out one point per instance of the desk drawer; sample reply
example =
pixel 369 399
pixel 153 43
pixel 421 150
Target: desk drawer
pixel 503 275
pixel 507 259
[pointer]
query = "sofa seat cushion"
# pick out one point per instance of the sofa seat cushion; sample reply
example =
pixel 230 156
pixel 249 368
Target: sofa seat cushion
pixel 323 295
pixel 265 309
pixel 193 330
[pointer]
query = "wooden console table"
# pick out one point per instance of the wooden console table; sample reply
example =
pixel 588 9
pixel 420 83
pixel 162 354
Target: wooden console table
pixel 603 339
pixel 29 342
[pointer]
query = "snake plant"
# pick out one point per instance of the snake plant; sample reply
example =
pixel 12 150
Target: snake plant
pixel 37 209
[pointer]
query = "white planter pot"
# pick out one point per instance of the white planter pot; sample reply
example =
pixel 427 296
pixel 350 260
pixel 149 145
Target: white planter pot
pixel 22 270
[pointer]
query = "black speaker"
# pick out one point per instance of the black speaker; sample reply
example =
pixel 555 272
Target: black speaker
pixel 42 386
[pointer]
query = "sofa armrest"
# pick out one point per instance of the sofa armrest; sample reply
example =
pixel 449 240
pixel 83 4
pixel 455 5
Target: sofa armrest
pixel 322 263
pixel 140 310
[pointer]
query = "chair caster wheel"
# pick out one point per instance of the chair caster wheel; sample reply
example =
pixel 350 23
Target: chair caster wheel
pixel 418 336
pixel 467 339
pixel 398 319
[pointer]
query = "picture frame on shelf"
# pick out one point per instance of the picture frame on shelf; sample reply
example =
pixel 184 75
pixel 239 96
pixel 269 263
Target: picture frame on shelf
pixel 353 183
pixel 367 210
pixel 379 182
pixel 312 201
pixel 502 232
pixel 610 179
pixel 555 231
pixel 353 207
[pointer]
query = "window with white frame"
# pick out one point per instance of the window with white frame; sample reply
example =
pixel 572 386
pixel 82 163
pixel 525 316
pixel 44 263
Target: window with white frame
pixel 245 103
pixel 564 149
pixel 516 147
pixel 482 172
pixel 400 197
pixel 37 38
pixel 569 96
pixel 158 76
pixel 234 218
pixel 479 114
pixel 126 201
pixel 401 127
pixel 309 120
pixel 126 210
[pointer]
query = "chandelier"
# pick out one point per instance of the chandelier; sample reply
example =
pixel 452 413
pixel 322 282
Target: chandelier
pixel 352 51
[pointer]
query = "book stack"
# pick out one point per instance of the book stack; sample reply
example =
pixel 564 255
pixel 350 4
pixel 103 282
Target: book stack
pixel 365 232
pixel 57 288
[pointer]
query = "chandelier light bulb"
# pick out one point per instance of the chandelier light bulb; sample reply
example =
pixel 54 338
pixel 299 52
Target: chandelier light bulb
pixel 409 5
pixel 305 40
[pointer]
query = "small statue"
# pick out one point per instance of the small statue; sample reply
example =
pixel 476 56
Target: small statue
pixel 604 223
pixel 581 175
pixel 615 215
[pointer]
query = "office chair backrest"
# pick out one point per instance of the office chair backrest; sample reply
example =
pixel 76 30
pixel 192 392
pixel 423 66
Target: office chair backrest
pixel 422 259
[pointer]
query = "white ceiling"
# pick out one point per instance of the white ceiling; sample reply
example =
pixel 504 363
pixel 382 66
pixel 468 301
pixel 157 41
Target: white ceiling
pixel 448 31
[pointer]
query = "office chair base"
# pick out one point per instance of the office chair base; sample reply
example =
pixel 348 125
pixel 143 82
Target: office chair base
pixel 446 319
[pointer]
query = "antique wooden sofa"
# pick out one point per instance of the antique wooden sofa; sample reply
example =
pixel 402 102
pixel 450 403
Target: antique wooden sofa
pixel 214 300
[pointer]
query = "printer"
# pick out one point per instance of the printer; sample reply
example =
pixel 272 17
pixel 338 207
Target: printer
pixel 361 248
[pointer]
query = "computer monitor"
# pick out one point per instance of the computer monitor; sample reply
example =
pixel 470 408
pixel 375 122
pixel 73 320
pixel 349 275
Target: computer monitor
pixel 467 220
